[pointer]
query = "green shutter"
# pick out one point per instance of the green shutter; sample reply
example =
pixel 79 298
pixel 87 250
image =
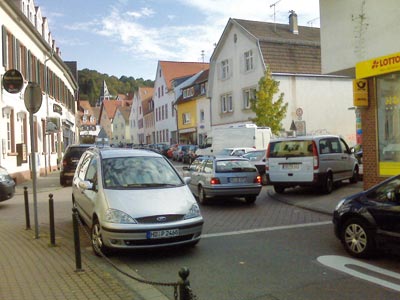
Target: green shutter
pixel 4 44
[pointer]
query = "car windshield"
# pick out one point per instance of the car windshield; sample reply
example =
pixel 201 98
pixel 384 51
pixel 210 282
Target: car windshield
pixel 254 155
pixel 138 172
pixel 291 148
pixel 229 166
pixel 225 152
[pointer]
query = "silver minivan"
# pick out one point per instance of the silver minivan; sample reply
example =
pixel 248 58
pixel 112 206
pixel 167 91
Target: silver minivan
pixel 318 161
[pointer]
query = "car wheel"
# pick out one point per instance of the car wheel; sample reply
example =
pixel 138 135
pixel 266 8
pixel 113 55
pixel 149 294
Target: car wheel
pixel 328 184
pixel 62 181
pixel 202 196
pixel 97 240
pixel 354 178
pixel 279 189
pixel 358 239
pixel 250 199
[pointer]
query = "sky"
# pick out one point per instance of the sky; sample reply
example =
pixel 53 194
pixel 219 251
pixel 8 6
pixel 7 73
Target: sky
pixel 129 37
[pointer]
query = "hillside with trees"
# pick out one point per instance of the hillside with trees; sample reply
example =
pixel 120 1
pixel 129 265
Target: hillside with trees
pixel 91 81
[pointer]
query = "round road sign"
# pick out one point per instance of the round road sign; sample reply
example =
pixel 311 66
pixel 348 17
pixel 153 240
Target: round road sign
pixel 13 81
pixel 33 97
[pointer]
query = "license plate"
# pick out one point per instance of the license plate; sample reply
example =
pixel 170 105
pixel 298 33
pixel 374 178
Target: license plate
pixel 290 166
pixel 162 234
pixel 237 179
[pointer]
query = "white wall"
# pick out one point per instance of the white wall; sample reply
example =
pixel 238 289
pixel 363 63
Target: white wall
pixel 357 30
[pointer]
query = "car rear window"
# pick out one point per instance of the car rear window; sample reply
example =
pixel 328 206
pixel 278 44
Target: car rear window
pixel 229 166
pixel 291 148
pixel 75 153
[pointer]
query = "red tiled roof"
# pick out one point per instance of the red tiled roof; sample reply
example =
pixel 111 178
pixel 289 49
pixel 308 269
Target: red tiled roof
pixel 176 69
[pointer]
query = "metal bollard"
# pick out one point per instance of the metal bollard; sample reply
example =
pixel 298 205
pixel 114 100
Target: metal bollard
pixel 51 216
pixel 28 221
pixel 78 261
pixel 184 284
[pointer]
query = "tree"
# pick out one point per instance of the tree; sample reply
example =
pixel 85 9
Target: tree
pixel 268 112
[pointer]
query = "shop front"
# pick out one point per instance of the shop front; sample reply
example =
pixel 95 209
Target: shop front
pixel 380 115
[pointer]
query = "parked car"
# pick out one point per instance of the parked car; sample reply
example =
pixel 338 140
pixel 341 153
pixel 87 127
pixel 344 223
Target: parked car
pixel 179 152
pixel 134 198
pixel 69 162
pixel 223 176
pixel 258 159
pixel 237 151
pixel 369 220
pixel 7 185
pixel 318 161
pixel 170 151
pixel 190 155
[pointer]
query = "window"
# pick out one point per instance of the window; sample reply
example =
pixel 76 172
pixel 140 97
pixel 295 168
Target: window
pixel 388 118
pixel 166 111
pixel 248 94
pixel 226 103
pixel 203 89
pixel 186 118
pixel 248 60
pixel 202 115
pixel 225 69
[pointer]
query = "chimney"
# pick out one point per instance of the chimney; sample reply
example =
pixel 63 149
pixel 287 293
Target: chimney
pixel 293 22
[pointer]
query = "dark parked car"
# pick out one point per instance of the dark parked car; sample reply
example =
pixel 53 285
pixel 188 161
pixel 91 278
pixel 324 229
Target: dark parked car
pixel 70 160
pixel 7 185
pixel 258 159
pixel 370 219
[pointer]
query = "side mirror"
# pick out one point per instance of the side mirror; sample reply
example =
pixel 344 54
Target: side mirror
pixel 85 185
pixel 187 180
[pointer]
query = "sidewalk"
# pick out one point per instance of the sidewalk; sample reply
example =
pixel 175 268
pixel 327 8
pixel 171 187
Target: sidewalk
pixel 33 269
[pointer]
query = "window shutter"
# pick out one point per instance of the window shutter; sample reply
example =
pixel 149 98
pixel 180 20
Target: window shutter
pixel 4 43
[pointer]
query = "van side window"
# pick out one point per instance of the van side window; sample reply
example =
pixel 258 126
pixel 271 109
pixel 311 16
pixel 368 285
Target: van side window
pixel 335 146
pixel 345 147
pixel 323 147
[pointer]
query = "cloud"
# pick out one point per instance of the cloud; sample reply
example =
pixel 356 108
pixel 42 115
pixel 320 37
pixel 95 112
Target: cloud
pixel 144 12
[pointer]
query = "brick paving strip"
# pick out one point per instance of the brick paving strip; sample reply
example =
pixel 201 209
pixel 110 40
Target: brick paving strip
pixel 33 269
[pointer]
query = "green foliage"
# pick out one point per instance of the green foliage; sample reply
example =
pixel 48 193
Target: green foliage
pixel 268 112
pixel 90 84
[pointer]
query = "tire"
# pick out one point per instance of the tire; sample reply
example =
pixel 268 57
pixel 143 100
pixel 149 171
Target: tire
pixel 328 184
pixel 202 196
pixel 97 241
pixel 62 182
pixel 355 177
pixel 250 199
pixel 279 189
pixel 358 239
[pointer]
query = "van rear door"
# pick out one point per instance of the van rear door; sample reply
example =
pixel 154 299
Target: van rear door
pixel 291 161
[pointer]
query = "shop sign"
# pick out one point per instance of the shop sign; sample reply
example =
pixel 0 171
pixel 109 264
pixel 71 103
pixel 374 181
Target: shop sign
pixel 57 109
pixel 360 92
pixel 13 81
pixel 378 66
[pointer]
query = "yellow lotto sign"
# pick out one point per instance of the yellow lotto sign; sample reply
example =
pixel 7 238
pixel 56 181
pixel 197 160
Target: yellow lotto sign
pixel 378 66
pixel 360 92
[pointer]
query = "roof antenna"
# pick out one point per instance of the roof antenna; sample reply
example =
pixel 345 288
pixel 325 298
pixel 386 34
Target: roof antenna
pixel 274 4
pixel 310 23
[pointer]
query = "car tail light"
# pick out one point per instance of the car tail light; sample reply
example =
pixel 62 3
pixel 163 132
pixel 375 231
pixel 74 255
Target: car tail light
pixel 315 155
pixel 257 179
pixel 215 180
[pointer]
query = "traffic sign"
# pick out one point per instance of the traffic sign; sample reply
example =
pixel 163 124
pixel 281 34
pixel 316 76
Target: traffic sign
pixel 33 97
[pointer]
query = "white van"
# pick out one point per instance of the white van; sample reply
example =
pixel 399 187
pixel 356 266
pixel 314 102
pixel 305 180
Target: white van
pixel 318 161
pixel 239 136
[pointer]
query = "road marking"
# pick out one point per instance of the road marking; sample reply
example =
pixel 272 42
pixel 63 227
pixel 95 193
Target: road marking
pixel 344 264
pixel 211 235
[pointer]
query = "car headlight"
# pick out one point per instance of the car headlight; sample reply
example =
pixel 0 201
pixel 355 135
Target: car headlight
pixel 340 204
pixel 117 216
pixel 194 212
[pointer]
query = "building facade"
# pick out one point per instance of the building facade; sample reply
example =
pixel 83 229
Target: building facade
pixel 317 103
pixel 28 49
pixel 367 49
